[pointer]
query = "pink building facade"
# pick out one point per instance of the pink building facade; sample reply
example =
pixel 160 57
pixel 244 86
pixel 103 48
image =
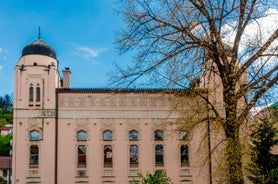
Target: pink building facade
pixel 66 135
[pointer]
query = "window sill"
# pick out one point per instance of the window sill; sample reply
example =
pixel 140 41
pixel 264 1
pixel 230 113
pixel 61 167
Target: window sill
pixel 133 165
pixel 159 165
pixel 33 166
pixel 81 165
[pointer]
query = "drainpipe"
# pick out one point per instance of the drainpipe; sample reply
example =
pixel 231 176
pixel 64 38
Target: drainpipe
pixel 56 138
pixel 209 148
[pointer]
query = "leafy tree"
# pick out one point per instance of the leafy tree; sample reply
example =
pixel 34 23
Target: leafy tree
pixel 156 178
pixel 5 144
pixel 5 118
pixel 6 110
pixel 263 165
pixel 6 103
pixel 174 39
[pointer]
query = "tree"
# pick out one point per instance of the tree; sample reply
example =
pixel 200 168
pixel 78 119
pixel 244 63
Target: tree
pixel 6 103
pixel 173 40
pixel 156 178
pixel 5 146
pixel 263 164
pixel 6 110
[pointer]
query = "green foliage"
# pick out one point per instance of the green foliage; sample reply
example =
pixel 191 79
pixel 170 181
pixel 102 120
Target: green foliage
pixel 6 110
pixel 5 118
pixel 6 103
pixel 2 180
pixel 263 167
pixel 156 178
pixel 5 145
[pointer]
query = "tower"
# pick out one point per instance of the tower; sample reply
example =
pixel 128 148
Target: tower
pixel 36 79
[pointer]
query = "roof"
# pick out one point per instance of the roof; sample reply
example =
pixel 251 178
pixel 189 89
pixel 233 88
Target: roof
pixel 5 162
pixel 275 105
pixel 5 128
pixel 39 47
pixel 121 90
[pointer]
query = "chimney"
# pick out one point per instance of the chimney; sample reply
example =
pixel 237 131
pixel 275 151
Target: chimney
pixel 66 77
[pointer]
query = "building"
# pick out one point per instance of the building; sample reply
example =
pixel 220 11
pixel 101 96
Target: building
pixel 5 167
pixel 7 129
pixel 66 135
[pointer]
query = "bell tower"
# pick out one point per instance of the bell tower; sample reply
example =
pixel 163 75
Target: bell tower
pixel 36 78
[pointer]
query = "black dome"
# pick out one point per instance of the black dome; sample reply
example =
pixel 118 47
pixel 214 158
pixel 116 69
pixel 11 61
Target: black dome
pixel 39 47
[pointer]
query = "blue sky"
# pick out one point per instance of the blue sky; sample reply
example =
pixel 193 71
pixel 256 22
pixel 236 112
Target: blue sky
pixel 81 32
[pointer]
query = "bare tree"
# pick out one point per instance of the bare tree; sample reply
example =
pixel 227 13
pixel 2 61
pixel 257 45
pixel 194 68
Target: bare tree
pixel 174 39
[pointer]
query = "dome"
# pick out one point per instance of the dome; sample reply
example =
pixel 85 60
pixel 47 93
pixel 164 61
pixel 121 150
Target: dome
pixel 39 47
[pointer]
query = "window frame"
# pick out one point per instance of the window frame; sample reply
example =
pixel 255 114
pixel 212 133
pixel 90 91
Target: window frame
pixel 79 136
pixel 108 158
pixel 159 135
pixel 184 155
pixel 31 93
pixel 110 136
pixel 183 135
pixel 131 151
pixel 37 137
pixel 34 156
pixel 38 94
pixel 81 156
pixel 159 157
pixel 132 136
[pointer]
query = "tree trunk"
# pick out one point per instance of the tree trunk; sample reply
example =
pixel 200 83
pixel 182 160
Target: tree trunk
pixel 234 154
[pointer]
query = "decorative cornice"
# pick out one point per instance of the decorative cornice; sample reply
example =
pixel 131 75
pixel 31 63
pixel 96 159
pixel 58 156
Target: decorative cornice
pixel 118 101
pixel 117 114
pixel 25 113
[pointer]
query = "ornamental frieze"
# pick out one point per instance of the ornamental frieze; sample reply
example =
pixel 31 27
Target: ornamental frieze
pixel 117 101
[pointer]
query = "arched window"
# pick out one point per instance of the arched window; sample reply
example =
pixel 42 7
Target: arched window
pixel 34 135
pixel 133 154
pixel 159 154
pixel 81 135
pixel 184 155
pixel 81 156
pixel 107 135
pixel 34 156
pixel 38 93
pixel 158 135
pixel 133 135
pixel 107 154
pixel 31 93
pixel 183 135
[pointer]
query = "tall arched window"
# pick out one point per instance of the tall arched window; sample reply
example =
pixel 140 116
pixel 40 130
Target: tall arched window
pixel 133 135
pixel 107 135
pixel 81 156
pixel 159 154
pixel 81 135
pixel 133 154
pixel 158 135
pixel 34 156
pixel 107 154
pixel 38 93
pixel 34 135
pixel 31 93
pixel 184 155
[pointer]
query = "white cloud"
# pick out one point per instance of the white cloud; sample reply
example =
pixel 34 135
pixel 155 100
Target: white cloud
pixel 87 53
pixel 3 53
pixel 255 34
pixel 1 67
